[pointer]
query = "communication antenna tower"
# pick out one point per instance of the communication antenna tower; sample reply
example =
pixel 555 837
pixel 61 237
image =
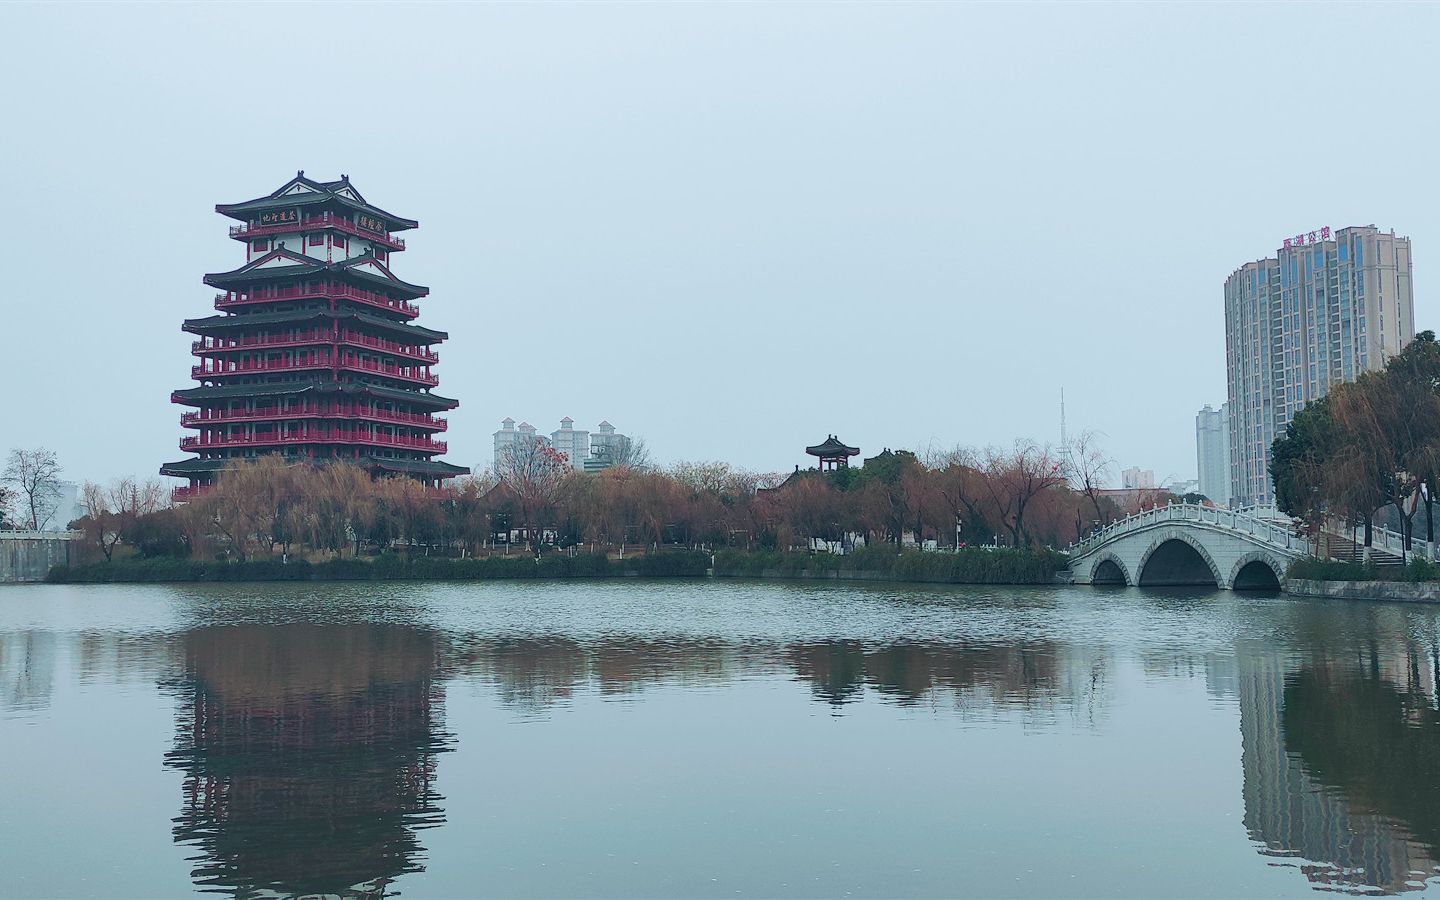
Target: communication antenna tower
pixel 1064 439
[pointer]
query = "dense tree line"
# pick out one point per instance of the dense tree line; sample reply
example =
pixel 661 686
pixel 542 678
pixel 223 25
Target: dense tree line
pixel 1025 496
pixel 1369 449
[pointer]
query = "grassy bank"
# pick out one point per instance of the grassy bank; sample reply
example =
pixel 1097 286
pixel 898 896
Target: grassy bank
pixel 1333 570
pixel 965 567
pixel 388 567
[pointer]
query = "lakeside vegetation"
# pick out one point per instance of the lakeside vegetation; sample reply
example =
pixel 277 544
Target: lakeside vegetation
pixel 1416 570
pixel 1023 498
pixel 387 567
pixel 1369 450
pixel 965 567
pixel 968 566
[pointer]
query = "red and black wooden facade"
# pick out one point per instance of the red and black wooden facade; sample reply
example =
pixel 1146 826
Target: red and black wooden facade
pixel 314 353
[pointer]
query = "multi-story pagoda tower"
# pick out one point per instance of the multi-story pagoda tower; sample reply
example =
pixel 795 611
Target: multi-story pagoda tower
pixel 314 354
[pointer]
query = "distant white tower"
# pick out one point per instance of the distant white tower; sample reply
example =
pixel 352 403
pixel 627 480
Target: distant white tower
pixel 575 444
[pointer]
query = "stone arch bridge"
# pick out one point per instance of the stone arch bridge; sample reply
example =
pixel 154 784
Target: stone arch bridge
pixel 1189 544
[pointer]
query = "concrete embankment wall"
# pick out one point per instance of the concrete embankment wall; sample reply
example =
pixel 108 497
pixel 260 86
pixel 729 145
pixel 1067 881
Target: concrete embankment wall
pixel 1385 591
pixel 28 555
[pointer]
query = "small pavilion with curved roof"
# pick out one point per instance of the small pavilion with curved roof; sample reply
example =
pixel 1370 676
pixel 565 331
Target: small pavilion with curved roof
pixel 833 453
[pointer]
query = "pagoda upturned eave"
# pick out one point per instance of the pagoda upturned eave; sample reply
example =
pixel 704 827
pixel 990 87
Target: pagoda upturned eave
pixel 205 394
pixel 212 324
pixel 186 467
pixel 254 273
pixel 832 447
pixel 315 193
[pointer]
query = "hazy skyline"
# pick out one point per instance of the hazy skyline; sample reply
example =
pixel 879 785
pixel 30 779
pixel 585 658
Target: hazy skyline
pixel 730 229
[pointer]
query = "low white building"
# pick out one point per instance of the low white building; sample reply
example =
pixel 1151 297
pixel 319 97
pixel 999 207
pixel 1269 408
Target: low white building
pixel 591 450
pixel 1137 478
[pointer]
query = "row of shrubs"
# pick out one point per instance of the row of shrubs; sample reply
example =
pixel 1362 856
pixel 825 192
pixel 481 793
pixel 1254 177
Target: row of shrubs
pixel 965 567
pixel 1333 570
pixel 389 566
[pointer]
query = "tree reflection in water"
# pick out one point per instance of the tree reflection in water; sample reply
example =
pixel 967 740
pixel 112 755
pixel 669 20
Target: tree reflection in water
pixel 536 674
pixel 309 753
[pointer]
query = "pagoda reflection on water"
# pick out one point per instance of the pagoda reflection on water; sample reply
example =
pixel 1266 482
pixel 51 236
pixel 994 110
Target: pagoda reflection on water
pixel 309 755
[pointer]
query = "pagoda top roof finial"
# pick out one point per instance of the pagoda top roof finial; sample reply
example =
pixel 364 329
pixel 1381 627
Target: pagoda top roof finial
pixel 299 173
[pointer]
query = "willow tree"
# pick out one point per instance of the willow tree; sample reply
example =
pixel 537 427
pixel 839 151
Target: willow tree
pixel 1368 444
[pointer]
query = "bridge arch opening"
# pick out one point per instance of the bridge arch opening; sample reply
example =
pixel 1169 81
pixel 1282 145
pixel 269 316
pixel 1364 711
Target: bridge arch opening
pixel 1107 571
pixel 1176 563
pixel 1256 575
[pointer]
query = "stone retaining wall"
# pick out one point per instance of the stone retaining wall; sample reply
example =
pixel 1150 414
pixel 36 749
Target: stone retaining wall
pixel 26 556
pixel 1387 591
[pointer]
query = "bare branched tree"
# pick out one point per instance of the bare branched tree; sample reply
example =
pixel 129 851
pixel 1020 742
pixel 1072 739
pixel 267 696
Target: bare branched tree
pixel 630 453
pixel 1016 477
pixel 961 481
pixel 1089 470
pixel 101 525
pixel 533 471
pixel 35 476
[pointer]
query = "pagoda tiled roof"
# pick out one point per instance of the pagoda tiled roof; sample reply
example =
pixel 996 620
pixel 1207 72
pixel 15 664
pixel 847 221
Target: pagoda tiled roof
pixel 413 466
pixel 832 447
pixel 222 322
pixel 185 467
pixel 317 193
pixel 197 396
pixel 389 280
pixel 260 270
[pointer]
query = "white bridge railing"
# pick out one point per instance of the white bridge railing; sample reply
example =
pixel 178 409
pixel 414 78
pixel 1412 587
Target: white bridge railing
pixel 1382 539
pixel 1264 529
pixel 24 535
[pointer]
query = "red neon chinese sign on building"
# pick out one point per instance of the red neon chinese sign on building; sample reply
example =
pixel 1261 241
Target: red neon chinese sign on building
pixel 1300 240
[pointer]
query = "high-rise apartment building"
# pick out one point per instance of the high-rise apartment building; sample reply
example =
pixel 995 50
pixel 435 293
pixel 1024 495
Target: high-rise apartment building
pixel 574 443
pixel 1212 452
pixel 1326 308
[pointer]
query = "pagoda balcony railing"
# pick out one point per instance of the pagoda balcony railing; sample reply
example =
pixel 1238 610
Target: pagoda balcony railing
pixel 325 220
pixel 219 368
pixel 363 365
pixel 327 291
pixel 313 436
pixel 312 411
pixel 221 345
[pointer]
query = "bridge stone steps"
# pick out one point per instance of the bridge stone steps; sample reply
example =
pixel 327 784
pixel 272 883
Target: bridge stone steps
pixel 1346 550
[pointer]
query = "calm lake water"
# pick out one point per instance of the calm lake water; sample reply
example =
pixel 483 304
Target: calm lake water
pixel 712 739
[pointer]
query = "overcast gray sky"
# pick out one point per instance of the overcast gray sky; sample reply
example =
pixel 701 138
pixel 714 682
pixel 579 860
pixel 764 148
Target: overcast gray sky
pixel 729 228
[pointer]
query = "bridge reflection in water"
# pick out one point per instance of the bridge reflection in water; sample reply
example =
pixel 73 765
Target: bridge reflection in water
pixel 309 753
